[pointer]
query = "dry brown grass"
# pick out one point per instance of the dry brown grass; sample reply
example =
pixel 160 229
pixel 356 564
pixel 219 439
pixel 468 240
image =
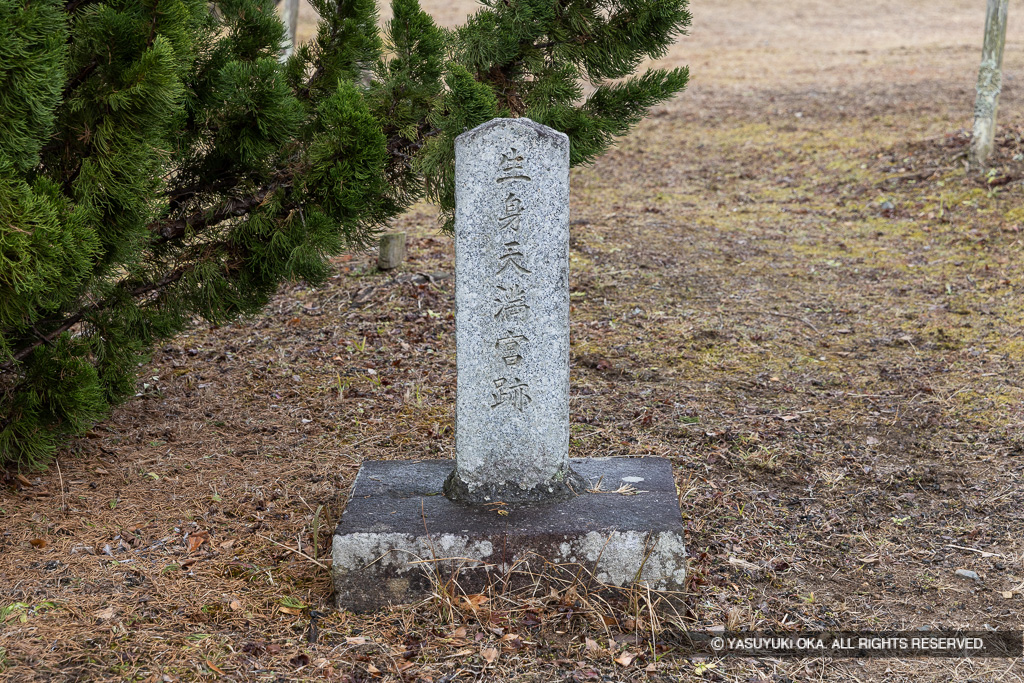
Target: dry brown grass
pixel 784 281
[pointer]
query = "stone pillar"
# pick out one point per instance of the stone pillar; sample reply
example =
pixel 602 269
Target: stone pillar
pixel 512 315
pixel 391 250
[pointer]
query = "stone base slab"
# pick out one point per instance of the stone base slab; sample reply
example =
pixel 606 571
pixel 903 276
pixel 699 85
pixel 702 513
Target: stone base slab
pixel 400 538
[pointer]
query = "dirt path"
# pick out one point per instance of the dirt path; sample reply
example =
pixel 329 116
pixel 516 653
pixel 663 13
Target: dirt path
pixel 784 281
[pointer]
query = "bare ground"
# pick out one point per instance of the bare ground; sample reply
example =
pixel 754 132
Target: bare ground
pixel 784 280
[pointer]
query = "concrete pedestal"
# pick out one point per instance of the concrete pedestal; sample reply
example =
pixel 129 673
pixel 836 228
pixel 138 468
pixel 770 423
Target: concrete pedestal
pixel 399 534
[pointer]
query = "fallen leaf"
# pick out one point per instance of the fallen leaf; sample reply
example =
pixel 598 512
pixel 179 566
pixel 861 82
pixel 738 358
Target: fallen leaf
pixel 489 654
pixel 213 667
pixel 38 542
pixel 743 564
pixel 197 539
pixel 105 613
pixel 403 665
pixel 23 479
pixel 625 659
pixel 235 605
pixel 474 601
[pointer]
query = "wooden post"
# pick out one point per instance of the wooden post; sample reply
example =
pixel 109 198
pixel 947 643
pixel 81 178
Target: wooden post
pixel 392 250
pixel 990 77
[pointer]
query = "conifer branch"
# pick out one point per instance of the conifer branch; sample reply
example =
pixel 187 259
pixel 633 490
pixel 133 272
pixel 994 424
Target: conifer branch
pixel 72 320
pixel 72 5
pixel 197 221
pixel 224 145
pixel 306 89
pixel 79 78
pixel 179 195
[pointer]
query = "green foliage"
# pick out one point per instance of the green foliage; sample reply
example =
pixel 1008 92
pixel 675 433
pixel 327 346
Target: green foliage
pixel 465 104
pixel 34 43
pixel 158 163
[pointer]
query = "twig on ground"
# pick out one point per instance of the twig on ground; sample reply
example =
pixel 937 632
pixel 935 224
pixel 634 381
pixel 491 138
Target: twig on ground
pixel 60 477
pixel 297 552
pixel 754 311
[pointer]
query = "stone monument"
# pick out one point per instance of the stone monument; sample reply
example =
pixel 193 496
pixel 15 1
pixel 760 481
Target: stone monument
pixel 513 500
pixel 512 315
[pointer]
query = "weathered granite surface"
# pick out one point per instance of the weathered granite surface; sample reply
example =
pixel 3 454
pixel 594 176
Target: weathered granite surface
pixel 512 314
pixel 398 536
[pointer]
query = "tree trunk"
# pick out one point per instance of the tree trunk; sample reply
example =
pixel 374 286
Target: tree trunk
pixel 290 16
pixel 989 83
